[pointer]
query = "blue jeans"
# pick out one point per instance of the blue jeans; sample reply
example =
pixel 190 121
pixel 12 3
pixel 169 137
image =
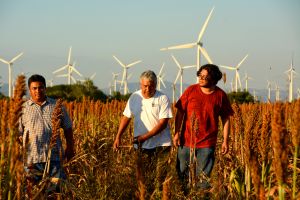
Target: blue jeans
pixel 204 163
pixel 34 172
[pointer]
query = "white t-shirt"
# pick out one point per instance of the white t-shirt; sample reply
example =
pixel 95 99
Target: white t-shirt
pixel 147 113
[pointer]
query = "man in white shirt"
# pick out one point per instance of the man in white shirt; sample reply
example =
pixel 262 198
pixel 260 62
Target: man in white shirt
pixel 151 111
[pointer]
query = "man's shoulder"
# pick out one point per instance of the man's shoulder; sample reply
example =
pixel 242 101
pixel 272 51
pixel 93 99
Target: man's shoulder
pixel 161 95
pixel 50 100
pixel 136 94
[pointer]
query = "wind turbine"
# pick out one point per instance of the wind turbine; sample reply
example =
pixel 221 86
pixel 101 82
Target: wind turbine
pixel 180 72
pixel 290 73
pixel 277 93
pixel 247 78
pixel 237 76
pixel 124 76
pixel 115 75
pixel 198 44
pixel 254 95
pixel 269 91
pixel 160 77
pixel 10 64
pixel 88 78
pixel 70 67
pixel 50 82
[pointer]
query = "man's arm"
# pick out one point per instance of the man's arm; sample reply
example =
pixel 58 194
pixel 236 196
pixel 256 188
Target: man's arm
pixel 178 122
pixel 162 124
pixel 226 130
pixel 123 125
pixel 70 143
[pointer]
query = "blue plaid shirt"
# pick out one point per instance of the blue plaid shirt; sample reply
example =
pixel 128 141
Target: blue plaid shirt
pixel 35 124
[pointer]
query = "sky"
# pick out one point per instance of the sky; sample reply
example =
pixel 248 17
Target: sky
pixel 268 31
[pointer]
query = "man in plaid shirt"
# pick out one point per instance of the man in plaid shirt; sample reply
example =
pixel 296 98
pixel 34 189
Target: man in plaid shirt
pixel 36 129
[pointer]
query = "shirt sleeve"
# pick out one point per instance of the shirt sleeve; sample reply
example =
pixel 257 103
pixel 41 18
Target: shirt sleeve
pixel 226 109
pixel 183 101
pixel 66 122
pixel 165 108
pixel 127 111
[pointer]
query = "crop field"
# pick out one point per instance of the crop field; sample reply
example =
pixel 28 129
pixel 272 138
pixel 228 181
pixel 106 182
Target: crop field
pixel 263 161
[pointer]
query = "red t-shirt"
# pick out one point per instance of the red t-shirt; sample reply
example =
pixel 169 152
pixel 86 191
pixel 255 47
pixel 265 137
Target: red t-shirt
pixel 202 113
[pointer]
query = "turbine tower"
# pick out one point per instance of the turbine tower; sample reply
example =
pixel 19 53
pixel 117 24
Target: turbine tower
pixel 180 72
pixel 160 77
pixel 124 76
pixel 198 44
pixel 10 64
pixel 290 73
pixel 70 67
pixel 237 76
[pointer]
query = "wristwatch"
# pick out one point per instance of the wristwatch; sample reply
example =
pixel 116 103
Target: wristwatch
pixel 135 140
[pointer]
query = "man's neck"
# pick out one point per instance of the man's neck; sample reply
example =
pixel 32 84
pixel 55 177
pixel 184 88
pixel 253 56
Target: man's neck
pixel 41 102
pixel 208 90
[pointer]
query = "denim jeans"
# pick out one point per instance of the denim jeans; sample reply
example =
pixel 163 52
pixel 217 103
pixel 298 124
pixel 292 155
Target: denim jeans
pixel 34 172
pixel 204 164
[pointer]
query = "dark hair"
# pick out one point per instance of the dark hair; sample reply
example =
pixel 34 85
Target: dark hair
pixel 213 71
pixel 36 78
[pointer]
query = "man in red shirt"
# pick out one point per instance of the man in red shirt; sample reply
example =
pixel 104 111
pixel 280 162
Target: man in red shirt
pixel 198 111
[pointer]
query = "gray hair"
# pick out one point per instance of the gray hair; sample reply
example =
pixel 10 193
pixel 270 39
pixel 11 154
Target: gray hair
pixel 150 75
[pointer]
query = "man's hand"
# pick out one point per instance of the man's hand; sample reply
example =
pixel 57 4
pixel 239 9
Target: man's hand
pixel 69 153
pixel 176 139
pixel 225 148
pixel 116 144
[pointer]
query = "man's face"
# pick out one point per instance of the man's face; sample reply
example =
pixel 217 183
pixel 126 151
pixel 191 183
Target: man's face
pixel 148 88
pixel 37 91
pixel 205 79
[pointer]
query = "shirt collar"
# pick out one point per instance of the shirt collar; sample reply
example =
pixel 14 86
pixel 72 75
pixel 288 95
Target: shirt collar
pixel 31 102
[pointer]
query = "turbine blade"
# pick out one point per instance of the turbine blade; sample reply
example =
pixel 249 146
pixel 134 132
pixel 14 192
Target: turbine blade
pixel 129 76
pixel 183 46
pixel 239 80
pixel 123 78
pixel 205 54
pixel 4 61
pixel 73 79
pixel 75 70
pixel 227 67
pixel 69 56
pixel 205 25
pixel 93 76
pixel 162 81
pixel 15 58
pixel 160 71
pixel 119 61
pixel 176 61
pixel 60 69
pixel 134 63
pixel 62 75
pixel 242 61
pixel 188 66
pixel 177 77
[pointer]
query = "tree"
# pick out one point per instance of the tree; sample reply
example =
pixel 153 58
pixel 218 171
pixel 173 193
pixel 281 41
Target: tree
pixel 118 96
pixel 240 97
pixel 76 91
pixel 2 96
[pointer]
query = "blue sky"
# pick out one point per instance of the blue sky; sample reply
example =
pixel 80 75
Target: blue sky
pixel 133 30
